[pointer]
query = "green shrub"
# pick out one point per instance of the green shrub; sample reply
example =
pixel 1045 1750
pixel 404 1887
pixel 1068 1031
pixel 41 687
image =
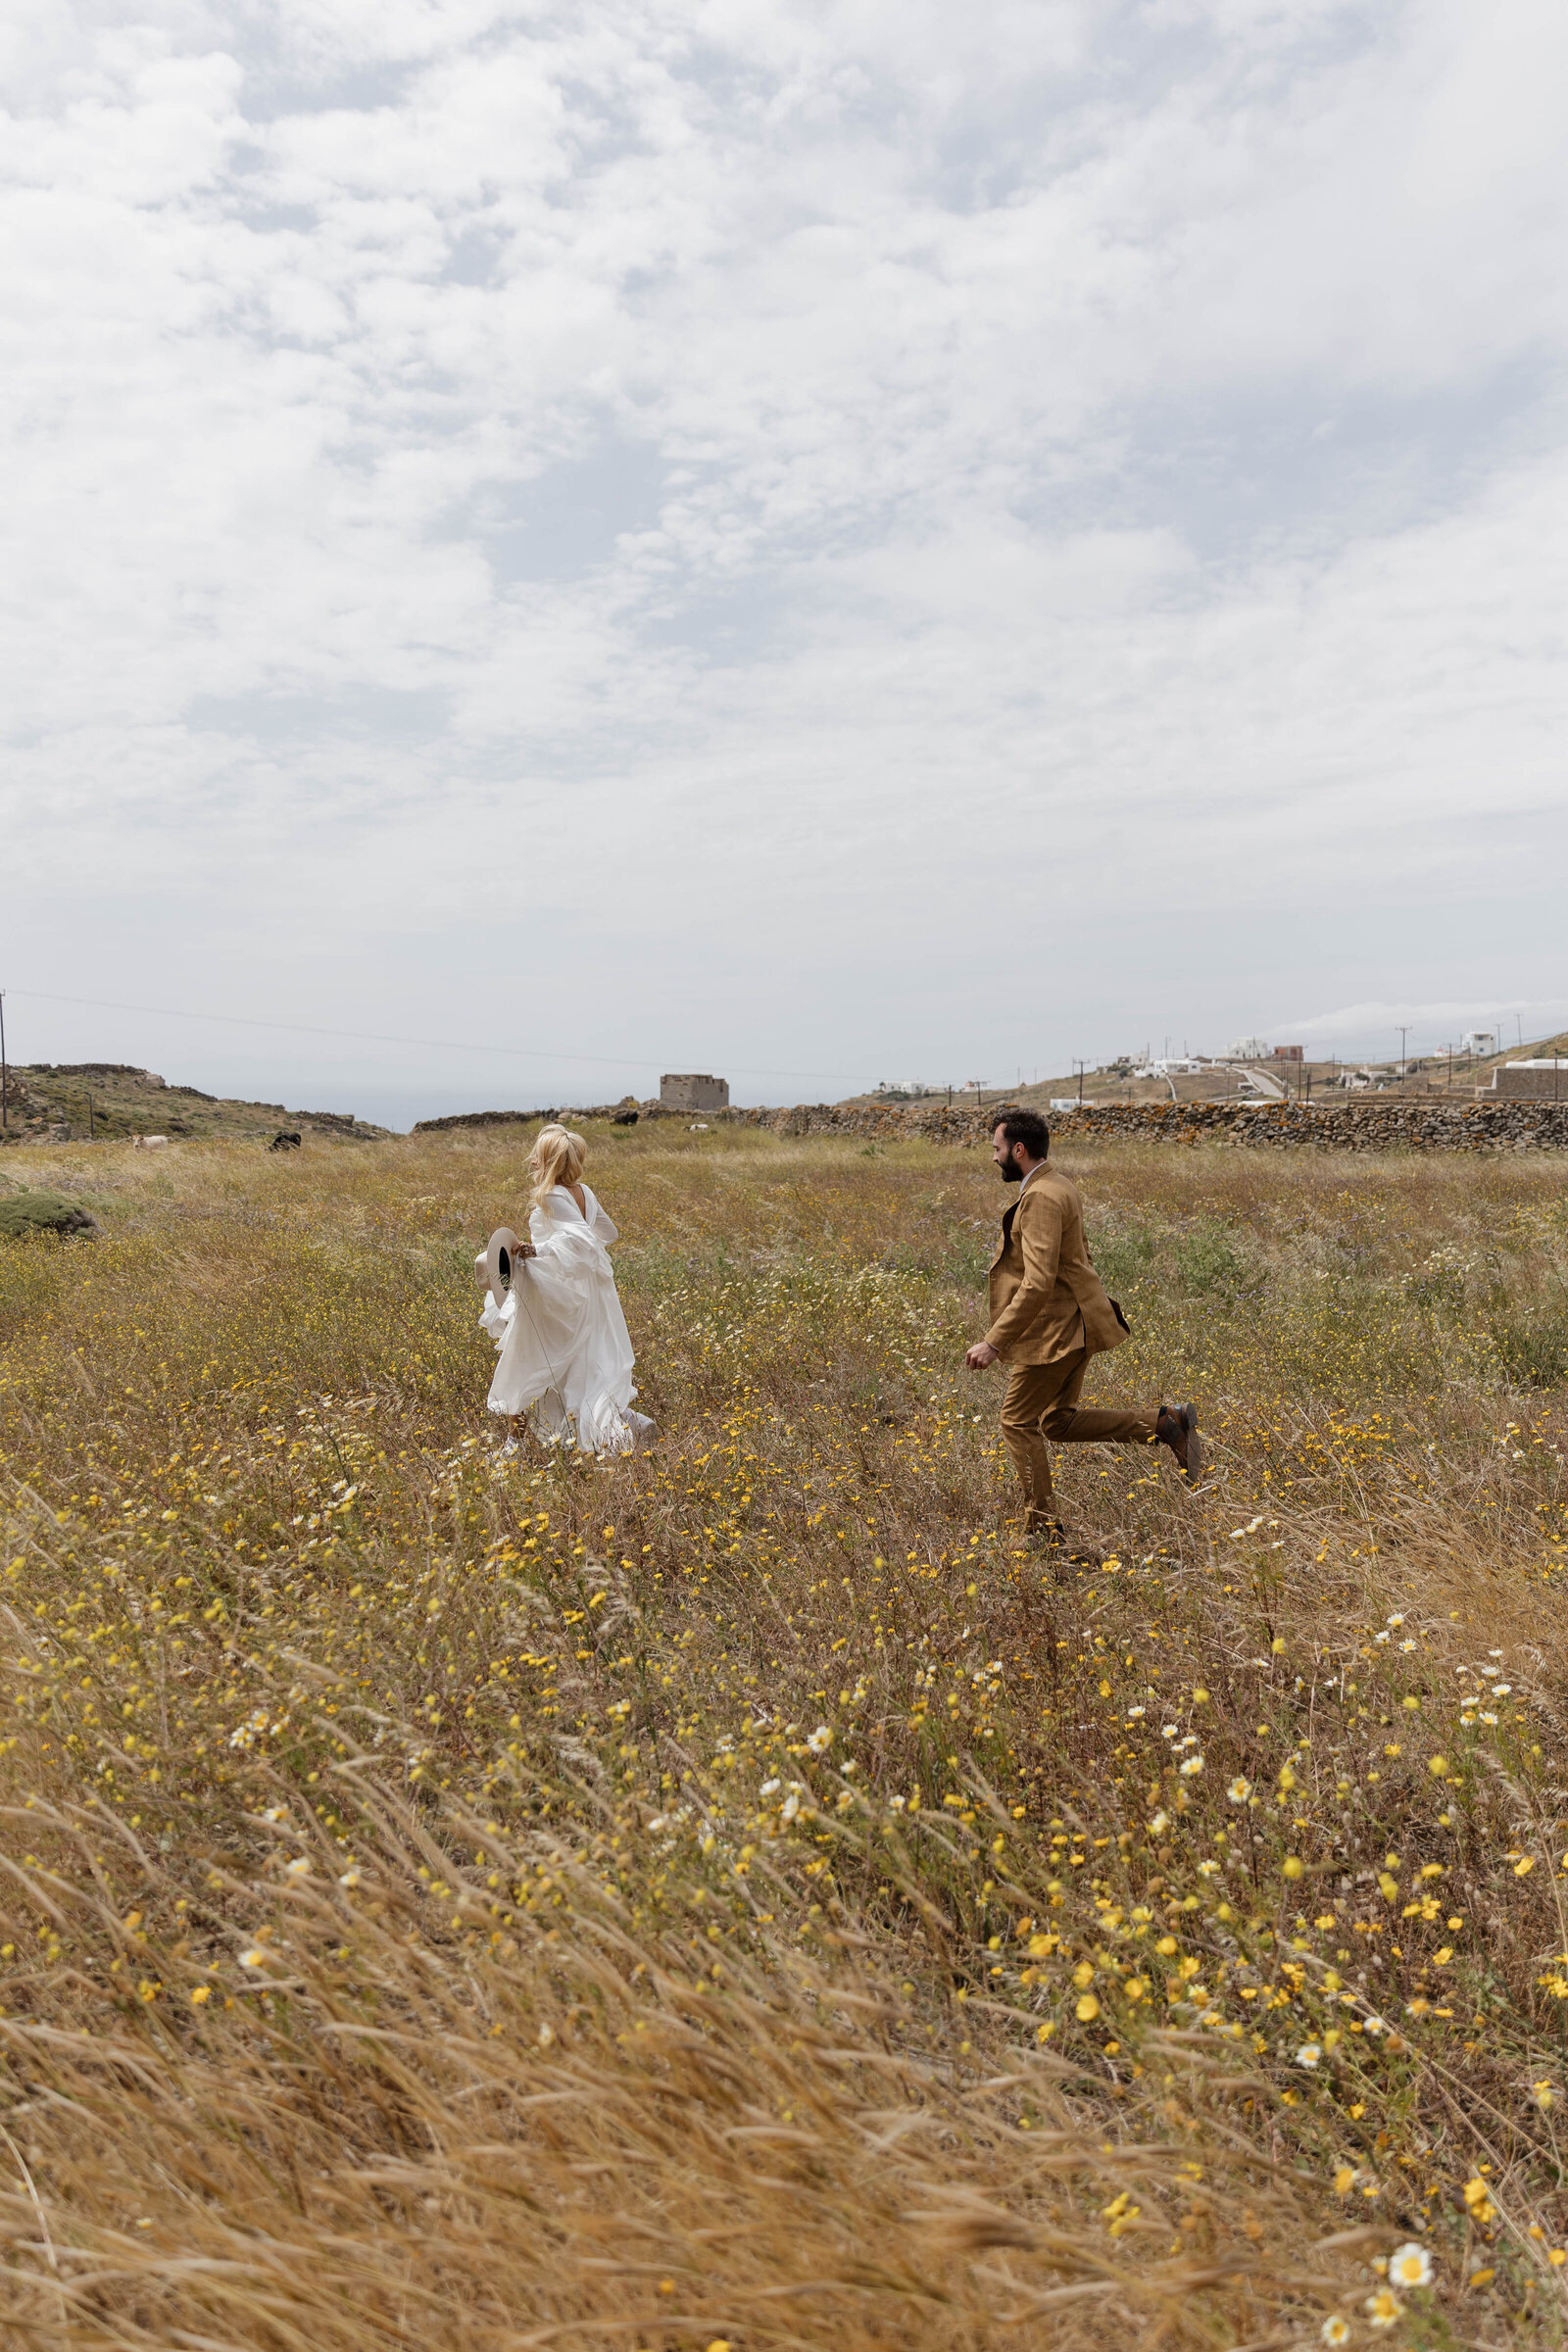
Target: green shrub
pixel 1534 1346
pixel 1210 1265
pixel 21 1213
pixel 1122 1251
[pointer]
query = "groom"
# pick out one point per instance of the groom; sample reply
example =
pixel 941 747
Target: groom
pixel 1049 1315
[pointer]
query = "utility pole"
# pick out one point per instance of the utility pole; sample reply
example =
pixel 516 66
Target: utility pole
pixel 1404 1032
pixel 91 1128
pixel 1079 1067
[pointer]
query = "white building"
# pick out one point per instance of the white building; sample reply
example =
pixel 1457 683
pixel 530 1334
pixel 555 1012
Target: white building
pixel 1247 1049
pixel 1479 1041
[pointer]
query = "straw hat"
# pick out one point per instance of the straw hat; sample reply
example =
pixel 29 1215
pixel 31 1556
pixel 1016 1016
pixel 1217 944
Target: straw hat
pixel 493 1269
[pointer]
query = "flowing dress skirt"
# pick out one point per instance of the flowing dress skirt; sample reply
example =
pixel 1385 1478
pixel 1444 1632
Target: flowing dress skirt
pixel 565 1349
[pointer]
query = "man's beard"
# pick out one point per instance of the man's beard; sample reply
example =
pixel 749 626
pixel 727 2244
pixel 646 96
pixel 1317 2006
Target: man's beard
pixel 1011 1173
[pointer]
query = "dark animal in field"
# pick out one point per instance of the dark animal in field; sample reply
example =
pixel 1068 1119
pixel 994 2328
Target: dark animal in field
pixel 623 1119
pixel 285 1141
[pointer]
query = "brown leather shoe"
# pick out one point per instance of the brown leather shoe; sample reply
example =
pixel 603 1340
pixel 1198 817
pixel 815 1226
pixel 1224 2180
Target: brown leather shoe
pixel 1178 1430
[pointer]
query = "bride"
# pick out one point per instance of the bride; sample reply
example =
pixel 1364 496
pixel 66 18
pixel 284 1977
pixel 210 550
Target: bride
pixel 566 1352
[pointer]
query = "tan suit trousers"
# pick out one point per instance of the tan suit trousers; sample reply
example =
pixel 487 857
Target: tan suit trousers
pixel 1041 1403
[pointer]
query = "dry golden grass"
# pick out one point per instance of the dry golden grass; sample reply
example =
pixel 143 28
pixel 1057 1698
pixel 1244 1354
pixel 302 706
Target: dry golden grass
pixel 436 1910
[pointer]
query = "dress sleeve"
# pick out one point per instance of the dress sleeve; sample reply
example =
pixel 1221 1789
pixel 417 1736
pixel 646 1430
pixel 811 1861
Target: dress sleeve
pixel 1040 1237
pixel 603 1225
pixel 550 1240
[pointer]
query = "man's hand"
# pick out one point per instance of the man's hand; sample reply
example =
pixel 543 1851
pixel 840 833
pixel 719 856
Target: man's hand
pixel 980 1355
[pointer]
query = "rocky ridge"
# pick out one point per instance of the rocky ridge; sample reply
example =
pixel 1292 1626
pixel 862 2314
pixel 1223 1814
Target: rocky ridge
pixel 49 1102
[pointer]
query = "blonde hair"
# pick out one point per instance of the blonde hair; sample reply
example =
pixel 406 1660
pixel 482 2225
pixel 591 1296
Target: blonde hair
pixel 556 1158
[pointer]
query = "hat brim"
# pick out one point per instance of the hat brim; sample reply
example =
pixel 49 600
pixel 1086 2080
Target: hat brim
pixel 499 1256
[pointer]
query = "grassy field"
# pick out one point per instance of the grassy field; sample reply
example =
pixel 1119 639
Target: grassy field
pixel 736 1898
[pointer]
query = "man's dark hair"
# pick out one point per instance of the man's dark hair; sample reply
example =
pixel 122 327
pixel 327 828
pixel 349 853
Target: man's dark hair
pixel 1025 1127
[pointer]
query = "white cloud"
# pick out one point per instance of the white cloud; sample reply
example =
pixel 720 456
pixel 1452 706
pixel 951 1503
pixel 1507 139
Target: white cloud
pixel 799 492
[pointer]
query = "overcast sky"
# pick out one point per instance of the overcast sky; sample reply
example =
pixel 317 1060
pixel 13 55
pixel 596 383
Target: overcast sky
pixel 814 543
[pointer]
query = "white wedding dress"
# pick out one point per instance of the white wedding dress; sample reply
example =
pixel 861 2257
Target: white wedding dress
pixel 566 1352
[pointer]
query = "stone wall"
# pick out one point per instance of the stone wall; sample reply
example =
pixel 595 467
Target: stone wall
pixel 1377 1126
pixel 490 1118
pixel 654 1109
pixel 1407 1125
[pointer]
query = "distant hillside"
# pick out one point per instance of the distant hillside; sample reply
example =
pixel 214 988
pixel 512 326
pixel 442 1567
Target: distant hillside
pixel 1423 1074
pixel 65 1101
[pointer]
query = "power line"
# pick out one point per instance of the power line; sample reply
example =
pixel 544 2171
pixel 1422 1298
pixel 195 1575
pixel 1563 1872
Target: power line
pixel 375 1037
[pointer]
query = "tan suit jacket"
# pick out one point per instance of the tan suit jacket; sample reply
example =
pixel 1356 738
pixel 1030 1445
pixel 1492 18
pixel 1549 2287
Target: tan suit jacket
pixel 1047 1302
